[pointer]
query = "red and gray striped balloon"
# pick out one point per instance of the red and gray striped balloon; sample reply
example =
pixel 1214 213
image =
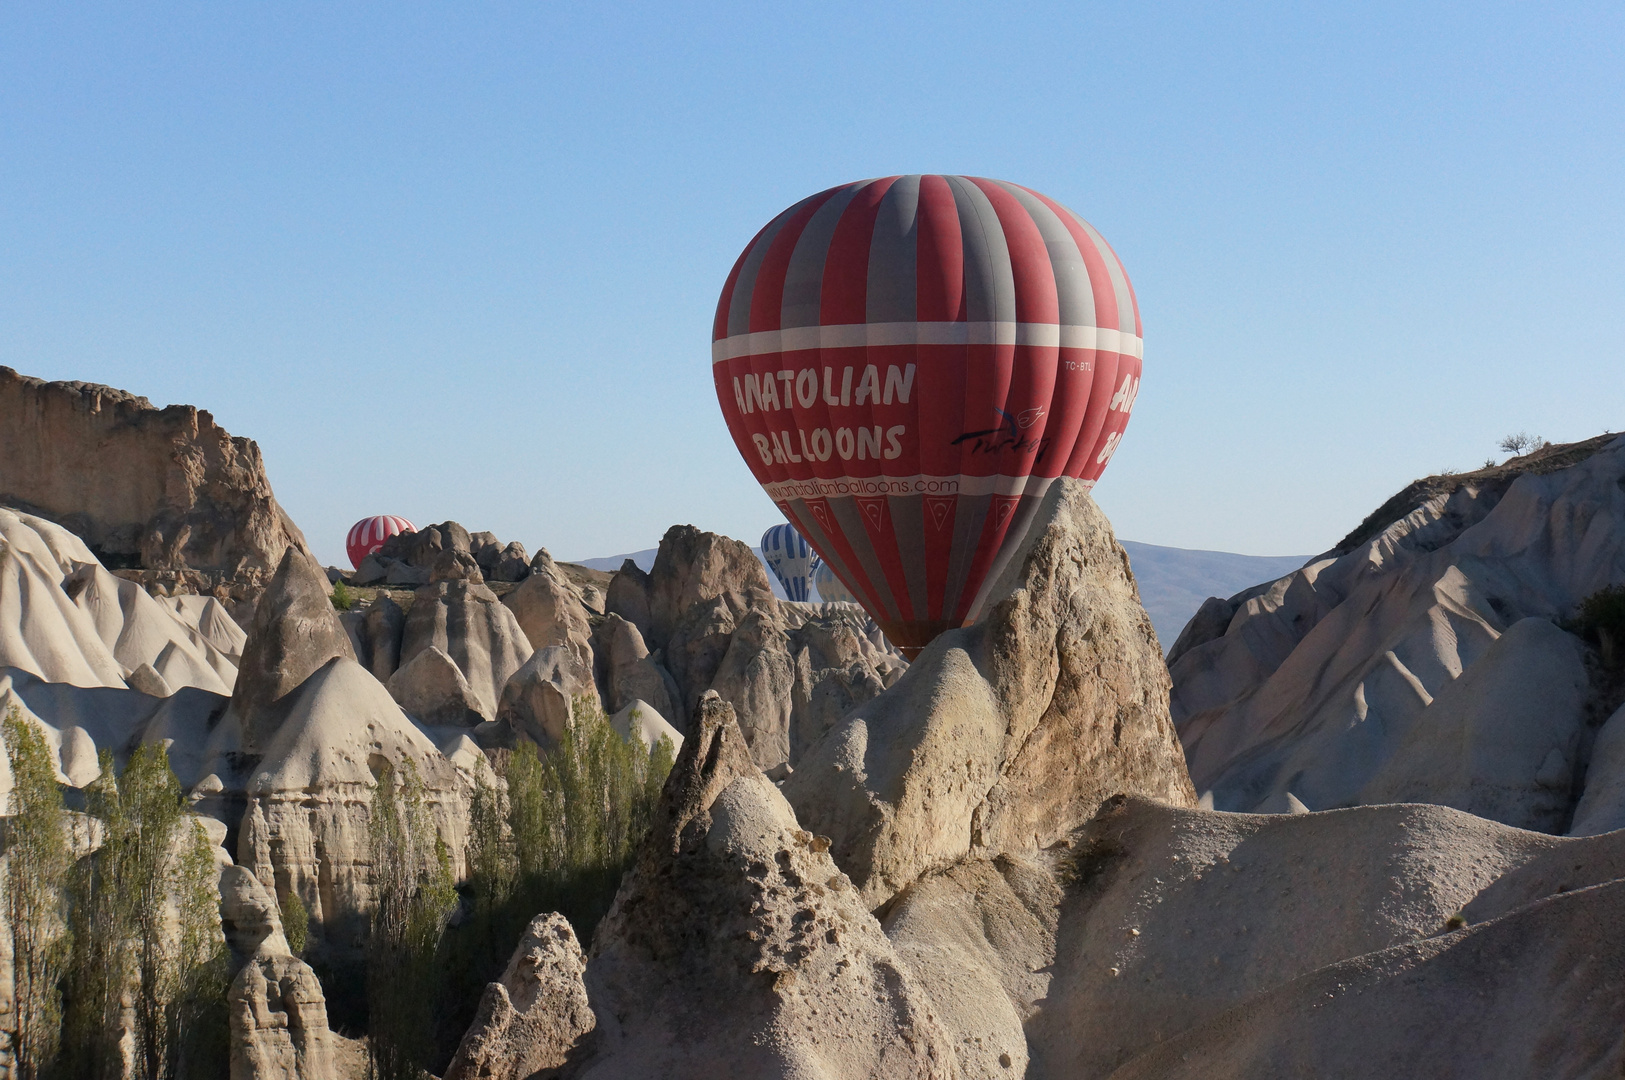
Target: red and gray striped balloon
pixel 908 363
pixel 368 535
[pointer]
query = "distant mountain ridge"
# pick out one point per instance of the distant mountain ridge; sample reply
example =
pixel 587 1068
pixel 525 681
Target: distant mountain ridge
pixel 1173 581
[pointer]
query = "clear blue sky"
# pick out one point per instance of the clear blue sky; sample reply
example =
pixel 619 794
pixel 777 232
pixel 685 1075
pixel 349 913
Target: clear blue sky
pixel 459 261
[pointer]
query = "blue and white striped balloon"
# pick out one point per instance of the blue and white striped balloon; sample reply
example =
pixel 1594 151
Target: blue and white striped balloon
pixel 791 559
pixel 831 589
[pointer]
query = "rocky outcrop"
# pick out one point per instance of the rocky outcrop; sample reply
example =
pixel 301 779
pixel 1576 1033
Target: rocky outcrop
pixel 294 633
pixel 1192 943
pixel 278 1013
pixel 1004 736
pixel 164 491
pixel 539 700
pixel 530 1019
pixel 737 947
pixel 383 624
pixel 705 619
pixel 433 691
pixel 627 672
pixel 1420 660
pixel 1602 808
pixel 64 618
pixel 464 619
pixel 308 801
pixel 639 720
pixel 549 609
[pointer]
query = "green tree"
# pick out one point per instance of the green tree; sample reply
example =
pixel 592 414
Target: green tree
pixel 557 836
pixel 578 814
pixel 196 1022
pixel 99 966
pixel 37 861
pixel 295 922
pixel 413 897
pixel 146 929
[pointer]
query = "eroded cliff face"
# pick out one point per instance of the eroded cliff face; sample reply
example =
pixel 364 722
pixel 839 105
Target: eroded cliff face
pixel 705 618
pixel 1004 736
pixel 164 491
pixel 1425 659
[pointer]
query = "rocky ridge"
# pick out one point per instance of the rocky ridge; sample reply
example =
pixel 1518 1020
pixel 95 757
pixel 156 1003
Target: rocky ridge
pixel 1428 661
pixel 165 495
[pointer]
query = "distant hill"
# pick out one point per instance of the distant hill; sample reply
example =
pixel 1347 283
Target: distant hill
pixel 1173 581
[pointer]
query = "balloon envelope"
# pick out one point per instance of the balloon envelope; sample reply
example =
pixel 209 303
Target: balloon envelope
pixel 908 363
pixel 831 589
pixel 790 559
pixel 368 535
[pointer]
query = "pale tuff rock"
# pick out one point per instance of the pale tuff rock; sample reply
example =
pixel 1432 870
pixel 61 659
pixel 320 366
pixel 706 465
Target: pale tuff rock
pixel 464 620
pixel 164 489
pixel 305 827
pixel 549 609
pixel 628 596
pixel 278 1013
pixel 705 619
pixel 1005 736
pixel 383 624
pixel 433 691
pixel 530 1020
pixel 143 631
pixel 1196 944
pixel 736 947
pixel 538 700
pixel 1422 663
pixel 980 937
pixel 1602 809
pixel 639 720
pixel 626 670
pixel 67 620
pixel 295 631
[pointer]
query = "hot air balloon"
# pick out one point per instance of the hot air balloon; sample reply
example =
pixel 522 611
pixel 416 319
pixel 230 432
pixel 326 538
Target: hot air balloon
pixel 908 363
pixel 790 559
pixel 368 535
pixel 830 588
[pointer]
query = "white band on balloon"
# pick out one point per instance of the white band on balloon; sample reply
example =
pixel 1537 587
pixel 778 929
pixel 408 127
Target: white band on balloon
pixel 861 487
pixel 861 335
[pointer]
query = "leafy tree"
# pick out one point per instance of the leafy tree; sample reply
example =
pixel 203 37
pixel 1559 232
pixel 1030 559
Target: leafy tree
pixel 295 922
pixel 413 897
pixel 194 998
pixel 146 930
pixel 559 839
pixel 37 862
pixel 99 967
pixel 342 600
pixel 578 814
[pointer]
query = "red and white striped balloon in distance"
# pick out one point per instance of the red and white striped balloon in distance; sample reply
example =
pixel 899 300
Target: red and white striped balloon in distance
pixel 908 363
pixel 368 535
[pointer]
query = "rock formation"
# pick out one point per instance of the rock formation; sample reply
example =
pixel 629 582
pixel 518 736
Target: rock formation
pixel 539 700
pixel 463 618
pixel 1005 736
pixel 530 1019
pixel 1421 660
pixel 294 633
pixel 550 610
pixel 278 1013
pixel 309 798
pixel 1383 940
pixel 737 947
pixel 705 619
pixel 433 691
pixel 164 491
pixel 65 619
